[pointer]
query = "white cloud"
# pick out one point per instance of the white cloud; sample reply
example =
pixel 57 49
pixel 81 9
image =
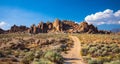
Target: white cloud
pixel 2 24
pixel 77 22
pixel 105 17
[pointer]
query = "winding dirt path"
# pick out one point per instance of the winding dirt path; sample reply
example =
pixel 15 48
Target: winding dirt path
pixel 73 56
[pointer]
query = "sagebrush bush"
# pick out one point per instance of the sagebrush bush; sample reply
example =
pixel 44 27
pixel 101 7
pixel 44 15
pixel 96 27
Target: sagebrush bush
pixel 92 50
pixel 92 61
pixel 28 58
pixel 53 56
pixel 42 61
pixel 113 62
pixel 87 58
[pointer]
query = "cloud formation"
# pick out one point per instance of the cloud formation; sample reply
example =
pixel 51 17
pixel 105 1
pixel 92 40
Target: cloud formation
pixel 2 24
pixel 105 17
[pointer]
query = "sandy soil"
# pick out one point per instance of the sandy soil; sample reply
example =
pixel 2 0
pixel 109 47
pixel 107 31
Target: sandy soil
pixel 73 56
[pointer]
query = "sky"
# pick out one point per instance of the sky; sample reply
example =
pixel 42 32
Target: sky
pixel 105 14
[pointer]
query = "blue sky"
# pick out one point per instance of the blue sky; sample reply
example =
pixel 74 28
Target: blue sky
pixel 27 12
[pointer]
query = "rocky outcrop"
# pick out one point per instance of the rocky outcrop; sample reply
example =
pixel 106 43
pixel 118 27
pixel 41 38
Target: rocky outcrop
pixel 16 28
pixel 66 27
pixel 40 28
pixel 1 31
pixel 63 26
pixel 84 27
pixel 57 25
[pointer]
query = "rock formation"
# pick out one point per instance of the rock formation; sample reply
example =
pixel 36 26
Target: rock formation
pixel 63 26
pixel 57 25
pixel 15 28
pixel 85 27
pixel 1 31
pixel 66 27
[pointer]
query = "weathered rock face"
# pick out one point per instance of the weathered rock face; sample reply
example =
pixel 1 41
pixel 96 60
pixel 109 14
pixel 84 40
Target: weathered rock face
pixel 57 25
pixel 92 29
pixel 40 28
pixel 84 27
pixel 15 28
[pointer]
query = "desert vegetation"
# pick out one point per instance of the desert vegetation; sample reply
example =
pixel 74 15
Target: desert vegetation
pixel 40 48
pixel 100 48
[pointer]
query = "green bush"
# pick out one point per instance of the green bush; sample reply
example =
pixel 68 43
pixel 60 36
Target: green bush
pixel 92 50
pixel 104 53
pixel 28 58
pixel 98 52
pixel 42 61
pixel 38 54
pixel 113 62
pixel 86 58
pixel 92 61
pixel 53 56
pixel 116 50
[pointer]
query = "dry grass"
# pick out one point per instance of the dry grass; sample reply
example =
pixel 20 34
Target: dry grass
pixel 97 38
pixel 100 48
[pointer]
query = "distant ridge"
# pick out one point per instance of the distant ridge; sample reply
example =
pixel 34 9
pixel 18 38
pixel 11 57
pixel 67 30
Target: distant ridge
pixel 59 26
pixel 116 30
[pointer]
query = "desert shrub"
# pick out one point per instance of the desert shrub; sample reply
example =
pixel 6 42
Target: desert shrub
pixel 104 53
pixel 92 61
pixel 53 56
pixel 38 54
pixel 28 58
pixel 97 61
pixel 84 51
pixel 116 50
pixel 92 50
pixel 42 61
pixel 100 61
pixel 117 56
pixel 87 58
pixel 113 62
pixel 98 52
pixel 63 47
pixel 104 59
pixel 104 48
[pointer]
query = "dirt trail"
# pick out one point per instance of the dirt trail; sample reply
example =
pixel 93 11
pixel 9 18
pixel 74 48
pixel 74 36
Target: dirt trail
pixel 73 56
